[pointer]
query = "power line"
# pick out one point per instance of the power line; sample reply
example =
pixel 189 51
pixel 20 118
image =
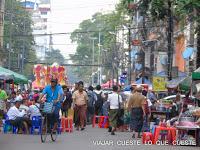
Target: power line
pixel 77 32
pixel 82 7
pixel 83 65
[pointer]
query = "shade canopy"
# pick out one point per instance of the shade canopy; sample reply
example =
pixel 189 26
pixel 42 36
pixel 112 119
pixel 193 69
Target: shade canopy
pixel 8 74
pixel 174 83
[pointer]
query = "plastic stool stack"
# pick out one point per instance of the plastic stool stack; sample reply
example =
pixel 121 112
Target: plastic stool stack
pixel 102 121
pixel 66 124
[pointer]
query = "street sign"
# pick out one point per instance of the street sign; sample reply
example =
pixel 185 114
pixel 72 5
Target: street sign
pixel 159 84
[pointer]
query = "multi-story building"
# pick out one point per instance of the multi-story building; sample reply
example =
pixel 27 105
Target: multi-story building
pixel 41 11
pixel 151 56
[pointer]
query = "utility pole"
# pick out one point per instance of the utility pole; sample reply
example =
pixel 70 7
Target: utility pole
pixel 23 50
pixel 10 36
pixel 116 57
pixel 129 55
pixel 170 43
pixel 93 39
pixel 92 62
pixel 113 65
pixel 99 58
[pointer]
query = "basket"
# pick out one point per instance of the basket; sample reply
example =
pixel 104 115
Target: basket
pixel 48 108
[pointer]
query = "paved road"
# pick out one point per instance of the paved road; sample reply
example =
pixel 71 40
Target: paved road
pixel 81 140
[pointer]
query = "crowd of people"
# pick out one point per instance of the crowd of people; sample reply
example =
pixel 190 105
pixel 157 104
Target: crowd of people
pixel 19 107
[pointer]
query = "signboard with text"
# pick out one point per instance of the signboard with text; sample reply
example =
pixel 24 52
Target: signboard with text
pixel 159 84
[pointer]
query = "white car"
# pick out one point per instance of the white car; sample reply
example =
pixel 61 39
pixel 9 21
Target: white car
pixel 172 97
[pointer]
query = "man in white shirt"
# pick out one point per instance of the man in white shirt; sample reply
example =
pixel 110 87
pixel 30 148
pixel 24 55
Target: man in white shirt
pixel 114 99
pixel 16 117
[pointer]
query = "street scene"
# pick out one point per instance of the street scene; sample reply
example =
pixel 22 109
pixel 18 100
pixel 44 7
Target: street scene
pixel 103 74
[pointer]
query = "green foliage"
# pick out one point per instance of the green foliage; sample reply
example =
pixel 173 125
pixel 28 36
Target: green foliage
pixel 89 29
pixel 54 56
pixel 158 9
pixel 19 28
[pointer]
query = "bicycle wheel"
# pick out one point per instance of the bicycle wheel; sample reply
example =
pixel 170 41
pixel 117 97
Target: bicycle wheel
pixel 54 136
pixel 44 129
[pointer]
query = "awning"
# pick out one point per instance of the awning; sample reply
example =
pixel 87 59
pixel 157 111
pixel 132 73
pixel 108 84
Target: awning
pixel 188 52
pixel 18 78
pixel 6 76
pixel 174 82
pixel 164 74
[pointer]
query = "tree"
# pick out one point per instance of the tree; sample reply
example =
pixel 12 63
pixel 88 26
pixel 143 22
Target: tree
pixel 99 23
pixel 18 33
pixel 54 56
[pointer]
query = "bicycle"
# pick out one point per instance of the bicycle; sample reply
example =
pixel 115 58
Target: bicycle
pixel 46 128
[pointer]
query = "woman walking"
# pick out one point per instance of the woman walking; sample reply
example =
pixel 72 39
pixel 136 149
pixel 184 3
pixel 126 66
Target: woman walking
pixel 136 106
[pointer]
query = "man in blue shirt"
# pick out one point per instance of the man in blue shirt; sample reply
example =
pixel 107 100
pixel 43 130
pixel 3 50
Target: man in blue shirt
pixel 54 93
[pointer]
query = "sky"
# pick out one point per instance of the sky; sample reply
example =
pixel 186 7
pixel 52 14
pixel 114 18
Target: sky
pixel 66 16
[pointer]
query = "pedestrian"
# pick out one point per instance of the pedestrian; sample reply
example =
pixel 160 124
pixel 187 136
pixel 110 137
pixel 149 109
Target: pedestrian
pixel 67 101
pixel 76 86
pixel 136 106
pixel 92 98
pixel 80 99
pixel 120 121
pixel 147 106
pixel 114 99
pixel 100 100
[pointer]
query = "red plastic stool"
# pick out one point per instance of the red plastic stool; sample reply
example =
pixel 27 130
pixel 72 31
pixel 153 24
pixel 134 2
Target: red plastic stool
pixel 171 133
pixel 103 123
pixel 94 120
pixel 62 124
pixel 147 136
pixel 68 125
pixel 106 122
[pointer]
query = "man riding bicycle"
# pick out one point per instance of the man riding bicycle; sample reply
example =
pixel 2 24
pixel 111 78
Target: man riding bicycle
pixel 53 94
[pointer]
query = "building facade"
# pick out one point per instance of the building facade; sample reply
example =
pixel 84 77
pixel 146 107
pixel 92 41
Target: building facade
pixel 41 13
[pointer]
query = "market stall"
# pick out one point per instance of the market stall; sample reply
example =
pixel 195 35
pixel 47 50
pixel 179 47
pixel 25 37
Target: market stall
pixel 8 77
pixel 17 78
